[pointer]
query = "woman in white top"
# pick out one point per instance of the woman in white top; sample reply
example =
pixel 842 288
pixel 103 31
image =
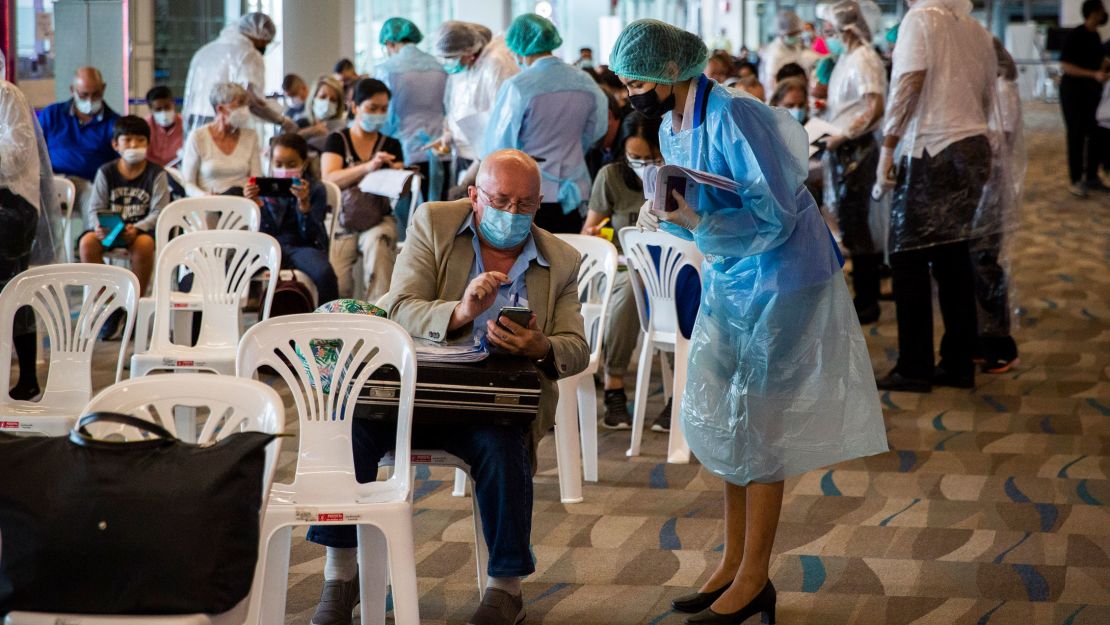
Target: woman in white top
pixel 222 155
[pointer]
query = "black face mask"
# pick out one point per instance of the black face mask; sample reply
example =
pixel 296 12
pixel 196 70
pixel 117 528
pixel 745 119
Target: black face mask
pixel 649 104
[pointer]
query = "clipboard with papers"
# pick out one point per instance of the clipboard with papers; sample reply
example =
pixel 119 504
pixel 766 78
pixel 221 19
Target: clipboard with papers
pixel 818 130
pixel 386 182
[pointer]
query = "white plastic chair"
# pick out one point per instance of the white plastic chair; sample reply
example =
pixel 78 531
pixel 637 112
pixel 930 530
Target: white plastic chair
pixel 195 214
pixel 223 261
pixel 235 405
pixel 335 198
pixel 596 277
pixel 69 381
pixel 658 280
pixel 324 489
pixel 67 197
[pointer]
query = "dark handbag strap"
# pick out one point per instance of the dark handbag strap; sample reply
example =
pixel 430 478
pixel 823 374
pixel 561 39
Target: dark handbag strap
pixel 80 434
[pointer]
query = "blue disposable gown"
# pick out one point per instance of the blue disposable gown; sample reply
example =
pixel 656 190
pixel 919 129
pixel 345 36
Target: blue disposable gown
pixel 415 117
pixel 779 379
pixel 560 126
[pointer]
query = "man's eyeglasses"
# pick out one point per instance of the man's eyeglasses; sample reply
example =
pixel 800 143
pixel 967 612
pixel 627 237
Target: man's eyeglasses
pixel 503 203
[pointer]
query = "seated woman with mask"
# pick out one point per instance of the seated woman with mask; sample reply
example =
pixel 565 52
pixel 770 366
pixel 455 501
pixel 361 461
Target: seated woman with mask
pixel 222 155
pixel 349 155
pixel 326 112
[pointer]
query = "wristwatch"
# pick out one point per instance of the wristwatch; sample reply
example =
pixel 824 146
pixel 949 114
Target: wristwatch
pixel 547 363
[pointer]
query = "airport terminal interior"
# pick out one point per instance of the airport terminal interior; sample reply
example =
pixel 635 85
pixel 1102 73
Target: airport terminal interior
pixel 652 282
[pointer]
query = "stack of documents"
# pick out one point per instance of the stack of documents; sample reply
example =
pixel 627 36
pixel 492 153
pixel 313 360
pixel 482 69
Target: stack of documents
pixel 430 351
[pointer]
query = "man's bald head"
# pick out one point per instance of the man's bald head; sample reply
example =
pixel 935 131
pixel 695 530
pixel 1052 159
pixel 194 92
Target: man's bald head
pixel 510 173
pixel 87 84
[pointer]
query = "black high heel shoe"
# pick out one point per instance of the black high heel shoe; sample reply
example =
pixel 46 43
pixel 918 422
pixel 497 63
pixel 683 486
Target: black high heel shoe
pixel 697 601
pixel 763 602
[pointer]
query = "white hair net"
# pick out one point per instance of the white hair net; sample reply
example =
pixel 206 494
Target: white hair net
pixel 257 26
pixel 788 22
pixel 847 15
pixel 455 38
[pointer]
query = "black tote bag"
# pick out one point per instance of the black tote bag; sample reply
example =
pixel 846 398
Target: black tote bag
pixel 156 526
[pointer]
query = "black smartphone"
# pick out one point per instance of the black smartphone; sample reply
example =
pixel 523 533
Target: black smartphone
pixel 274 187
pixel 517 314
pixel 674 183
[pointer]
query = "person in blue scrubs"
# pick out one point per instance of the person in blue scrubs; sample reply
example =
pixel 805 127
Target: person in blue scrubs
pixel 551 111
pixel 779 380
pixel 417 81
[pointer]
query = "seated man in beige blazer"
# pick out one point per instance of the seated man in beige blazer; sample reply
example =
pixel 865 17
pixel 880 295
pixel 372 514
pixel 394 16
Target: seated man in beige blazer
pixel 461 263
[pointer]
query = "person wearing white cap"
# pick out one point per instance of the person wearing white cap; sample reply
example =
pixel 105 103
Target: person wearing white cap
pixel 235 56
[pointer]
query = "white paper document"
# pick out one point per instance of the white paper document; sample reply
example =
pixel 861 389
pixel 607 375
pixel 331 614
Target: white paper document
pixel 670 178
pixel 430 351
pixel 391 183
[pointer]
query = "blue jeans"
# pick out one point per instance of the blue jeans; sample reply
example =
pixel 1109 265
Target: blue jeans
pixel 500 463
pixel 315 264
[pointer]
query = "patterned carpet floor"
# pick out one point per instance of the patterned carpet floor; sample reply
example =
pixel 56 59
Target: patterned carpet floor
pixel 991 506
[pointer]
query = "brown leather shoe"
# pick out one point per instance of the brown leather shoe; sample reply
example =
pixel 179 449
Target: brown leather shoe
pixel 498 608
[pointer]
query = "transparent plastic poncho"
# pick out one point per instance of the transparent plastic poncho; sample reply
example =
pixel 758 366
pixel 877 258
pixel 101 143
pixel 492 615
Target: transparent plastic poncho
pixel 471 93
pixel 943 104
pixel 25 169
pixel 990 254
pixel 230 58
pixel 418 83
pixel 779 379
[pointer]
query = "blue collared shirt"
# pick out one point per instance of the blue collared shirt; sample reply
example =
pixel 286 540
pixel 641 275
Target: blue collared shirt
pixel 515 293
pixel 77 149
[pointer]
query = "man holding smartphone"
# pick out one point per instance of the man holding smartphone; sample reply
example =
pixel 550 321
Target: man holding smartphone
pixel 478 266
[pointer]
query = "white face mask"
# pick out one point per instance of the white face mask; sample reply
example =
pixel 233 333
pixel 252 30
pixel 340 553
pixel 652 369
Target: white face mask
pixel 322 108
pixel 164 119
pixel 239 117
pixel 87 106
pixel 285 172
pixel 133 156
pixel 638 167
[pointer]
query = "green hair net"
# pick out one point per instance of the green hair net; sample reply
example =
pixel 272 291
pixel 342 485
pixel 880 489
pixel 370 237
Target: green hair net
pixel 532 34
pixel 398 29
pixel 655 51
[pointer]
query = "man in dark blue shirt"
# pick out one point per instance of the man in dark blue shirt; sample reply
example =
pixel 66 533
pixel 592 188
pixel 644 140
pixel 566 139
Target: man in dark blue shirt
pixel 78 131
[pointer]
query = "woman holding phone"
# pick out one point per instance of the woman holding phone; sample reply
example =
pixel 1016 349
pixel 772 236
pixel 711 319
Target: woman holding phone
pixel 779 379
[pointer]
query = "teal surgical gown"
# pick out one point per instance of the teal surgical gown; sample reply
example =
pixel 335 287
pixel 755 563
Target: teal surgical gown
pixel 779 380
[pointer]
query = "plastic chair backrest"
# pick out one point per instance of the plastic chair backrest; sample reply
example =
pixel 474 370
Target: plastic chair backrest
pixel 105 289
pixel 596 276
pixel 66 193
pixel 365 343
pixel 657 279
pixel 234 405
pixel 224 262
pixel 213 212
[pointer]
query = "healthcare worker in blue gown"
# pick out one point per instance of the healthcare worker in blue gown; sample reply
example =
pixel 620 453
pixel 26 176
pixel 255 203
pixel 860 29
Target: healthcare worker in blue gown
pixel 415 116
pixel 779 379
pixel 550 111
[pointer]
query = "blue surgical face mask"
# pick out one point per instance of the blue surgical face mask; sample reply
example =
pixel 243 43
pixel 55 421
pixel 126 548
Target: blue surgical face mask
pixel 798 114
pixel 502 229
pixel 370 122
pixel 453 66
pixel 835 46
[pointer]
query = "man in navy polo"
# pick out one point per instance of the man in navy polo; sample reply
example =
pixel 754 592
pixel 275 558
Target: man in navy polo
pixel 78 131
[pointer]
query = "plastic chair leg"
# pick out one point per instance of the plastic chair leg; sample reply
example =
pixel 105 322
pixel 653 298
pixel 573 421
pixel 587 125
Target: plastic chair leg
pixel 678 451
pixel 271 601
pixel 587 424
pixel 402 571
pixel 639 409
pixel 668 375
pixel 568 452
pixel 460 483
pixel 481 550
pixel 373 572
pixel 182 327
